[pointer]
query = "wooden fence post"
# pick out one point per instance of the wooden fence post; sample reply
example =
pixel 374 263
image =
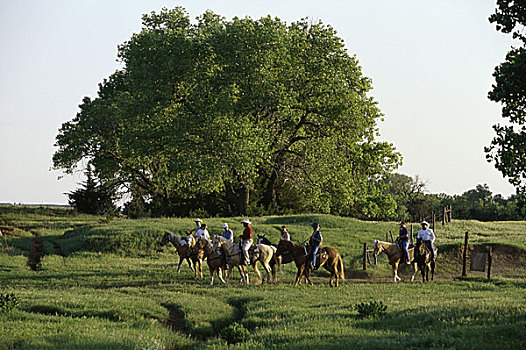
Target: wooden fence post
pixel 391 234
pixel 387 236
pixel 465 255
pixel 444 213
pixel 489 263
pixel 450 212
pixel 365 256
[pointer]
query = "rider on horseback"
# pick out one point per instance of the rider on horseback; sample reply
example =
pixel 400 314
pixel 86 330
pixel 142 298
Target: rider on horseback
pixel 246 240
pixel 428 236
pixel 227 233
pixel 315 243
pixel 403 237
pixel 285 235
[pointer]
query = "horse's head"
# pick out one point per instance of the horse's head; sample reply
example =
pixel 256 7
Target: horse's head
pixel 217 242
pixel 166 239
pixel 378 248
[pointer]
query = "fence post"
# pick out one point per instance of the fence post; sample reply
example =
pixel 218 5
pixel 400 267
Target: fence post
pixel 465 255
pixel 391 234
pixel 489 263
pixel 387 236
pixel 444 213
pixel 450 216
pixel 365 256
pixel 412 234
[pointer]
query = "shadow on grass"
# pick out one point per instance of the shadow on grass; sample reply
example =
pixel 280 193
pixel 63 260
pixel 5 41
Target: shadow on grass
pixel 448 328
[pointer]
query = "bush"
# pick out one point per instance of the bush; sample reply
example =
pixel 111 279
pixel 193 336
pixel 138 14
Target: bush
pixel 235 333
pixel 371 309
pixel 8 302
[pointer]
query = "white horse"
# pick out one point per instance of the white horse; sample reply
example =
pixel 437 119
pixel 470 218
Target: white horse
pixel 233 257
pixel 262 253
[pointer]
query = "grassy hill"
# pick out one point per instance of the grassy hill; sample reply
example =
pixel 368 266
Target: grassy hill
pixel 105 285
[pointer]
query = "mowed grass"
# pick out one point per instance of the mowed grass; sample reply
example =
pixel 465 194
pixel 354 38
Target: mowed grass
pixel 128 295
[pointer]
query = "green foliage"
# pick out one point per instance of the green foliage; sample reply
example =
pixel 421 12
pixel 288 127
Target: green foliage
pixel 233 116
pixel 93 198
pixel 8 302
pixel 235 333
pixel 372 309
pixel 508 148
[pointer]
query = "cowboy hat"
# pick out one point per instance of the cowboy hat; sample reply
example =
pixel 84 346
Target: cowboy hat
pixel 245 221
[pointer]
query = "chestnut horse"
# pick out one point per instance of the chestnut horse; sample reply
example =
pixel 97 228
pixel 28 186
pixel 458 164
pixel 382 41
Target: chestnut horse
pixel 394 254
pixel 329 258
pixel 213 259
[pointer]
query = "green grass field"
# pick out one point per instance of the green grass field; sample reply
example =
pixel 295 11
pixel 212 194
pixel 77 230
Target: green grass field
pixel 105 285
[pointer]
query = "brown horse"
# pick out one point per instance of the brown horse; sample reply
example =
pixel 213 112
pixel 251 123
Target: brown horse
pixel 394 254
pixel 197 255
pixel 329 258
pixel 424 260
pixel 213 259
pixel 183 247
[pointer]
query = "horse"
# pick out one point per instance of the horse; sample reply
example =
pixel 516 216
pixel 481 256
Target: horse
pixel 213 259
pixel 424 260
pixel 329 258
pixel 394 254
pixel 285 258
pixel 233 257
pixel 197 255
pixel 182 247
pixel 263 253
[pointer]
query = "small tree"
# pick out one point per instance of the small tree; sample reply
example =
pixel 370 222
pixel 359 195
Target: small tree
pixel 93 197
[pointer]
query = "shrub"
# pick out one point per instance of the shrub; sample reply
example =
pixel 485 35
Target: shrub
pixel 8 302
pixel 235 333
pixel 371 309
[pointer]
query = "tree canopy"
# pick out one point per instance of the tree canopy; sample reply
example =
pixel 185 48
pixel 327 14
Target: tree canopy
pixel 231 116
pixel 508 148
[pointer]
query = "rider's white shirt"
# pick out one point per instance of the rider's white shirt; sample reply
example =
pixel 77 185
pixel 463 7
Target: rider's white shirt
pixel 426 235
pixel 202 233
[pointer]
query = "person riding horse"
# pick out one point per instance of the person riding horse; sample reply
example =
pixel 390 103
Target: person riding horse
pixel 315 243
pixel 403 237
pixel 428 236
pixel 285 234
pixel 227 233
pixel 246 240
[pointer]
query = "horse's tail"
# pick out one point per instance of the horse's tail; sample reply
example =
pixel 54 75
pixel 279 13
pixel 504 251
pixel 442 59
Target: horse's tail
pixel 342 273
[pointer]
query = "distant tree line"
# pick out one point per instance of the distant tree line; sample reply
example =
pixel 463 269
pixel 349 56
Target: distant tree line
pixel 476 204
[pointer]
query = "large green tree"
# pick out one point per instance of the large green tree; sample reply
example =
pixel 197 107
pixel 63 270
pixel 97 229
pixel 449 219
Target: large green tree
pixel 244 112
pixel 508 148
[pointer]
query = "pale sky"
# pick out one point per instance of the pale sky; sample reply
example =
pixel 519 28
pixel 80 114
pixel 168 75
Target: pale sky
pixel 431 62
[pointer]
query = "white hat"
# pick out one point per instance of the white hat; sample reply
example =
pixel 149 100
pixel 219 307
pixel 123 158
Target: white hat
pixel 198 220
pixel 245 221
pixel 225 225
pixel 424 223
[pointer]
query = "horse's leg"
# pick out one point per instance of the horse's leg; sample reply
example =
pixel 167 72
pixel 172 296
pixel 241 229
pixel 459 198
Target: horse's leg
pixel 307 276
pixel 190 263
pixel 211 275
pixel 298 275
pixel 229 273
pixel 180 262
pixel 220 275
pixel 395 272
pixel 415 270
pixel 255 267
pixel 201 267
pixel 432 269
